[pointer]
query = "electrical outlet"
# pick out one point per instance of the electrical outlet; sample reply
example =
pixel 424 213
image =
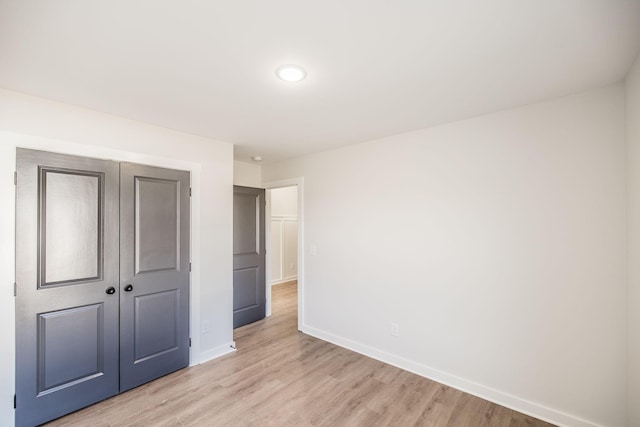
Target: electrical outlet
pixel 205 327
pixel 394 329
pixel 313 250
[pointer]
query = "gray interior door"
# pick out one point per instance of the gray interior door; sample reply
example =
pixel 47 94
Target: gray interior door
pixel 67 284
pixel 154 273
pixel 248 255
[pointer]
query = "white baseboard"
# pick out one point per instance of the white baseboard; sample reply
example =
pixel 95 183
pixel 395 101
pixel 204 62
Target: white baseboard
pixel 216 352
pixel 285 280
pixel 504 399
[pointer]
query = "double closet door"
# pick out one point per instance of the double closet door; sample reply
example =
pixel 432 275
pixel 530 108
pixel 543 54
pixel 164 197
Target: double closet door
pixel 102 280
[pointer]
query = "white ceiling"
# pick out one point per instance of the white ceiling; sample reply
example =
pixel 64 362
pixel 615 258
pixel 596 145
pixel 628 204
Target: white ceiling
pixel 375 68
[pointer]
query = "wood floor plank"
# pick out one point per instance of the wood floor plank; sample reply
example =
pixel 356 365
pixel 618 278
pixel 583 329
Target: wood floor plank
pixel 281 377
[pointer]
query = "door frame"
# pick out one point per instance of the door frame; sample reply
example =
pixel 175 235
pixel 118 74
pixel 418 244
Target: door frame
pixel 299 183
pixel 101 152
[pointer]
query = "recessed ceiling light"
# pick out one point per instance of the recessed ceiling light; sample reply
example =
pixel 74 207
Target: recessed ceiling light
pixel 291 73
pixel 256 158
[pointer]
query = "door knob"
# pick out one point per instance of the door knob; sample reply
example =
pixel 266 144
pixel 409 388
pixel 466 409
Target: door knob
pixel 128 288
pixel 111 290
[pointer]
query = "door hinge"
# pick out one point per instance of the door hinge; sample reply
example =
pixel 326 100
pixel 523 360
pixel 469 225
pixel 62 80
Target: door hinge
pixel 15 289
pixel 15 178
pixel 14 401
pixel 189 191
pixel 189 267
pixel 189 342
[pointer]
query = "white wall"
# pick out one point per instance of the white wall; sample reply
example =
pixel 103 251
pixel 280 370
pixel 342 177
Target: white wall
pixel 36 123
pixel 247 174
pixel 498 246
pixel 284 202
pixel 633 260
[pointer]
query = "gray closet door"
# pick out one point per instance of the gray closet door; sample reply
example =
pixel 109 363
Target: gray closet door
pixel 154 273
pixel 248 255
pixel 67 284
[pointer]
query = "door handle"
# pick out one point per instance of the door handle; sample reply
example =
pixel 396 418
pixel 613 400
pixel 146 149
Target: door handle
pixel 111 290
pixel 128 288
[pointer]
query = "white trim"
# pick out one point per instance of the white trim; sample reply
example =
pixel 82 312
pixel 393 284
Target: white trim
pixel 501 398
pixel 282 219
pixel 267 259
pixel 299 182
pixel 214 353
pixel 280 238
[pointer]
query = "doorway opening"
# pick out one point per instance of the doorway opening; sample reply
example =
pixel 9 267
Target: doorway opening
pixel 284 235
pixel 284 242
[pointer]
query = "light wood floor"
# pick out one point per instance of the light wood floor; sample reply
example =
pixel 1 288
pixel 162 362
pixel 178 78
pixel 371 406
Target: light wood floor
pixel 280 377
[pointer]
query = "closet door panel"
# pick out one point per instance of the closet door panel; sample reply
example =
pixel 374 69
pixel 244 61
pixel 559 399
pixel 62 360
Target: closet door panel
pixel 154 251
pixel 67 304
